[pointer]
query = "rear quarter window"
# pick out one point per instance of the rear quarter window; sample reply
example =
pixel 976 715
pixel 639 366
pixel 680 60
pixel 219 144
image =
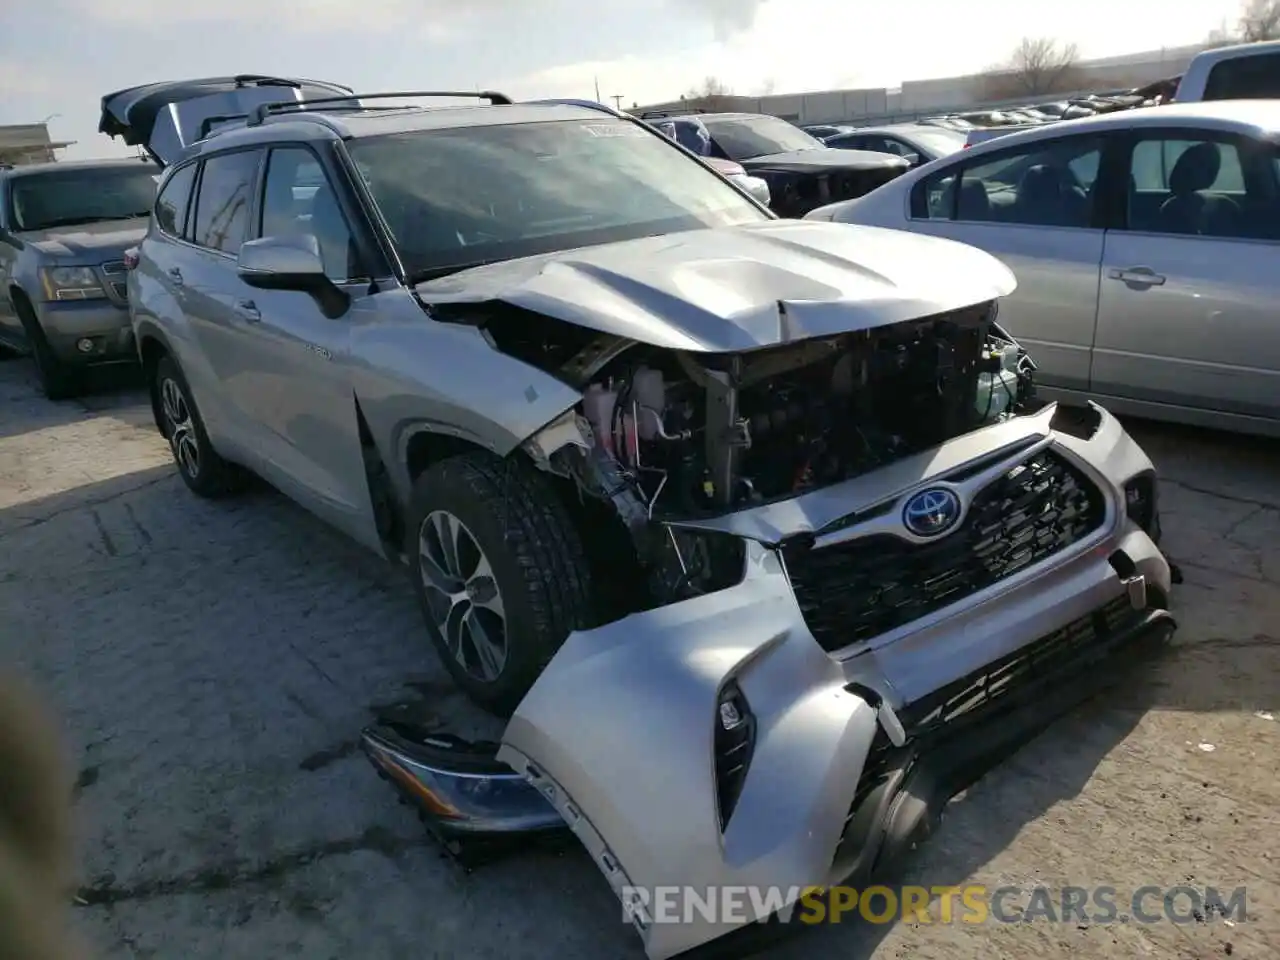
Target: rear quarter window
pixel 1245 78
pixel 174 201
pixel 933 198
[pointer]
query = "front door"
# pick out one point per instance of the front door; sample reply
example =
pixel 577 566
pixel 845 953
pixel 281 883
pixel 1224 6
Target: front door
pixel 1032 207
pixel 295 380
pixel 1187 310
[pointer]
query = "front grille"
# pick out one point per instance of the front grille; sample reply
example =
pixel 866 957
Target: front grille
pixel 979 697
pixel 1037 662
pixel 858 590
pixel 113 268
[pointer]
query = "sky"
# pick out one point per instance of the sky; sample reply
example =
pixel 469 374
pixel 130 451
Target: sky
pixel 58 57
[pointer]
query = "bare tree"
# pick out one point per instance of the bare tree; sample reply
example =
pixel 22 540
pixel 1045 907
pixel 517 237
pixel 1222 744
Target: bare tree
pixel 710 95
pixel 1038 66
pixel 1258 20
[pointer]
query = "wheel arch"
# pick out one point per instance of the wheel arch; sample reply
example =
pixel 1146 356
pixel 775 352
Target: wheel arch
pixel 152 346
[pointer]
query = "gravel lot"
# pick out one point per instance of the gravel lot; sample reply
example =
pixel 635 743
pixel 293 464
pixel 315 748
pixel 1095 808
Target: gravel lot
pixel 213 663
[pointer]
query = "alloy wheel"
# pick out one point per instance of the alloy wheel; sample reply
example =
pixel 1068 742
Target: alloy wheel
pixel 182 430
pixel 462 595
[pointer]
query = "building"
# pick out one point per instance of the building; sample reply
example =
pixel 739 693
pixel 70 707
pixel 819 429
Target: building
pixel 918 98
pixel 28 143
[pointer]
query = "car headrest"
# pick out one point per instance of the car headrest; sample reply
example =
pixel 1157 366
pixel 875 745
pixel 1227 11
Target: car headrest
pixel 1040 182
pixel 1197 169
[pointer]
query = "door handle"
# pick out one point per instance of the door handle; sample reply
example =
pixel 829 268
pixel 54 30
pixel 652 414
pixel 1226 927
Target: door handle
pixel 249 310
pixel 175 275
pixel 1137 275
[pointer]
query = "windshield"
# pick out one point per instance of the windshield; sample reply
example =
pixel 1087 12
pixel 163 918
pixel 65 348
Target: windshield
pixel 745 138
pixel 460 197
pixel 59 198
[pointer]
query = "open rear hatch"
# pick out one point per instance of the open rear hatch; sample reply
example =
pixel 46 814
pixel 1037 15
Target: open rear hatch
pixel 165 118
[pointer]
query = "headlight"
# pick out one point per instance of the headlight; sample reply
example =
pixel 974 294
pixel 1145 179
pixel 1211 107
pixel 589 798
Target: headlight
pixel 71 283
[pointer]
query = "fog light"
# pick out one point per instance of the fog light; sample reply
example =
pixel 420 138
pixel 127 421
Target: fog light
pixel 734 744
pixel 1141 503
pixel 84 345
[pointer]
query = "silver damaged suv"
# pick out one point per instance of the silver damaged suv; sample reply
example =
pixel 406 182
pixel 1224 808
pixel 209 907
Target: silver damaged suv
pixel 751 527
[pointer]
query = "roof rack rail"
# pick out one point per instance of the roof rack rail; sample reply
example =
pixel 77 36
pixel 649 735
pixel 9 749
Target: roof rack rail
pixel 262 111
pixel 659 114
pixel 585 104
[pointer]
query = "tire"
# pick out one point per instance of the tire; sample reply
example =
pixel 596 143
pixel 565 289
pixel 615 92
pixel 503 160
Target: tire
pixel 58 381
pixel 505 517
pixel 204 472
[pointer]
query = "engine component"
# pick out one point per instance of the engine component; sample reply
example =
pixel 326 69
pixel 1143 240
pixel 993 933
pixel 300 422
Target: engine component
pixel 676 435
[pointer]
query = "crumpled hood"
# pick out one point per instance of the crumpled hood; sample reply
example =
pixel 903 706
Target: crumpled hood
pixel 739 288
pixel 93 241
pixel 828 158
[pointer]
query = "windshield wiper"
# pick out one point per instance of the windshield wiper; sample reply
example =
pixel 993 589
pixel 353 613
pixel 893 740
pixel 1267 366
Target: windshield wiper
pixel 75 221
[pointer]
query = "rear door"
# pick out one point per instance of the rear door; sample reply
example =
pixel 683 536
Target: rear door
pixel 204 274
pixel 1032 206
pixel 1188 306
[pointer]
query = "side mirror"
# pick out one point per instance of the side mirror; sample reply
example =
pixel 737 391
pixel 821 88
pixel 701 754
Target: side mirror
pixel 913 158
pixel 282 263
pixel 291 263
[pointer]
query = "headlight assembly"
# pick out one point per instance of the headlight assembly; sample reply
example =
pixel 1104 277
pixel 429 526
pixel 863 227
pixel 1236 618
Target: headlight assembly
pixel 71 283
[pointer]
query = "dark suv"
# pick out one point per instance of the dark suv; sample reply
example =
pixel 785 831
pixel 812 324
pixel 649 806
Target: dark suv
pixel 64 229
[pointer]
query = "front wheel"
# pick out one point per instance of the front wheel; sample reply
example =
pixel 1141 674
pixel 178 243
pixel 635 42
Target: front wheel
pixel 58 380
pixel 500 573
pixel 203 471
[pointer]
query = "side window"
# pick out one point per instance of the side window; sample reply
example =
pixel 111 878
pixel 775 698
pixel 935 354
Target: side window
pixel 933 198
pixel 1246 78
pixel 1045 184
pixel 299 201
pixel 896 146
pixel 1198 187
pixel 222 202
pixel 171 205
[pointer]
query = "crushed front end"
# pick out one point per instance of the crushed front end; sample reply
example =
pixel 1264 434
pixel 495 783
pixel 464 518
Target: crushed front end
pixel 867 569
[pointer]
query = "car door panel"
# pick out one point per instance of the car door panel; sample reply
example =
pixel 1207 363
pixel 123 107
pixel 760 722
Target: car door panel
pixel 1206 335
pixel 1187 307
pixel 295 379
pixel 1052 312
pixel 1003 202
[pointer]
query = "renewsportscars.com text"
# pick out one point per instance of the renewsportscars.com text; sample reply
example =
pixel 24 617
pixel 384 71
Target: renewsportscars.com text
pixel 971 904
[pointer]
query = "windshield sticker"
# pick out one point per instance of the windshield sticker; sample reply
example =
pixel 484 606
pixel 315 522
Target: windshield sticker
pixel 613 130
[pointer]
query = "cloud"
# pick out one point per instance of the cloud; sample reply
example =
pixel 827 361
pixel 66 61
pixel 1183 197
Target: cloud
pixel 431 19
pixel 729 18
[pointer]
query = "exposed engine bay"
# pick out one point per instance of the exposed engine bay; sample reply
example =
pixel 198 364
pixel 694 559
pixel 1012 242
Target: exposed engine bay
pixel 665 435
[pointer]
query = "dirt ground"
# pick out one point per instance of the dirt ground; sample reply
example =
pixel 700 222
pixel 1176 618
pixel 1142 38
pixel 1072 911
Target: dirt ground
pixel 213 663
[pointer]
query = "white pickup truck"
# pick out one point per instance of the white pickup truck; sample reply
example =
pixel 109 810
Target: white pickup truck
pixel 1247 71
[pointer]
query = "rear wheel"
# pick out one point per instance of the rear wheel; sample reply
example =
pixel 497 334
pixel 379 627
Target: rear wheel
pixel 58 380
pixel 500 573
pixel 202 469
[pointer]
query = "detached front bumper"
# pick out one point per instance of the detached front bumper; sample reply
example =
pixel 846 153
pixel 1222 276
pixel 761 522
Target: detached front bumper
pixel 827 761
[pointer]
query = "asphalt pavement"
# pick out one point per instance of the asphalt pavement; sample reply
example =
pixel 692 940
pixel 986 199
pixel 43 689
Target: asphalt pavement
pixel 213 664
